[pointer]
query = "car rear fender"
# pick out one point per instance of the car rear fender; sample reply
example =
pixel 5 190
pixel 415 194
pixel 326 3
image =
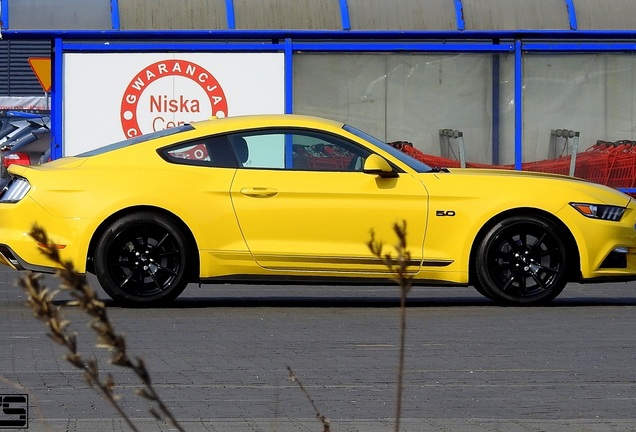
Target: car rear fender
pixel 194 270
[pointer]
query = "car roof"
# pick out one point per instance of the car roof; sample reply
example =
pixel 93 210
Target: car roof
pixel 264 120
pixel 215 125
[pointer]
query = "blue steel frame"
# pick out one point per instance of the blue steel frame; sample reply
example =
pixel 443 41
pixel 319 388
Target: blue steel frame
pixel 114 14
pixel 229 10
pixel 344 15
pixel 459 15
pixel 518 105
pixel 4 14
pixel 516 42
pixel 569 4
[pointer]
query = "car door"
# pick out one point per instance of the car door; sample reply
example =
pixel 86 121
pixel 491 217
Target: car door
pixel 303 203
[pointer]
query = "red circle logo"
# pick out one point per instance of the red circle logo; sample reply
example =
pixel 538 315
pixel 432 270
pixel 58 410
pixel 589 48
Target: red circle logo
pixel 161 106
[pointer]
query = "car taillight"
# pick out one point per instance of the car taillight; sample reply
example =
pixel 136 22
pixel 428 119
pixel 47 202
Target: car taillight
pixel 16 158
pixel 15 190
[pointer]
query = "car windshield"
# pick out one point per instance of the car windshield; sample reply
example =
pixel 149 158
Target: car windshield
pixel 418 166
pixel 137 140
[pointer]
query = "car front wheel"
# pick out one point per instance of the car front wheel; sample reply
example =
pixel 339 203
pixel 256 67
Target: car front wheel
pixel 142 259
pixel 522 260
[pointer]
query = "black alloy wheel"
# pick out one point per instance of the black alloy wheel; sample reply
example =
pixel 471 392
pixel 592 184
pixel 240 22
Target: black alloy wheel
pixel 142 259
pixel 522 260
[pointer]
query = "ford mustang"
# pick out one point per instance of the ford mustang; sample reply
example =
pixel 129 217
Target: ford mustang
pixel 289 198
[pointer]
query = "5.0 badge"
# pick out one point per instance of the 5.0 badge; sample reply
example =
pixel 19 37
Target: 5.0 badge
pixel 445 213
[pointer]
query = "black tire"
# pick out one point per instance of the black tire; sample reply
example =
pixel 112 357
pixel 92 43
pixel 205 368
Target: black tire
pixel 481 290
pixel 522 260
pixel 142 259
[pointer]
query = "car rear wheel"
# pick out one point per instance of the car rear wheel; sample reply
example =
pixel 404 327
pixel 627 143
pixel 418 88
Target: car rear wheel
pixel 481 289
pixel 142 259
pixel 522 260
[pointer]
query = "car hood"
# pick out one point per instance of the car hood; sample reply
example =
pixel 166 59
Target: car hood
pixel 523 185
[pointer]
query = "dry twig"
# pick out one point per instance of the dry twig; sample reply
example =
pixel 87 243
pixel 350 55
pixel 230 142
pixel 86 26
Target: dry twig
pixel 399 269
pixel 40 299
pixel 324 420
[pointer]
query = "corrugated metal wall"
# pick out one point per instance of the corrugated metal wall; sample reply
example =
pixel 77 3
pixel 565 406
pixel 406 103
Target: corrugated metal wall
pixel 600 15
pixel 402 15
pixel 516 14
pixel 320 14
pixel 172 14
pixel 285 14
pixel 60 14
pixel 19 79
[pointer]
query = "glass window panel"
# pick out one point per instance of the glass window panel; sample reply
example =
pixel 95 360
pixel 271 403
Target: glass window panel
pixel 265 150
pixel 60 14
pixel 592 94
pixel 410 97
pixel 301 150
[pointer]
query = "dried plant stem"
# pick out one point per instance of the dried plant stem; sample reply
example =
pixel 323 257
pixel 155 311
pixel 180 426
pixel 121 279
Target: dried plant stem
pixel 324 420
pixel 40 299
pixel 399 269
pixel 400 383
pixel 86 300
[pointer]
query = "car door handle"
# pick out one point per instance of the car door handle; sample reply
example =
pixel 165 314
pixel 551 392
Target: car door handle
pixel 259 192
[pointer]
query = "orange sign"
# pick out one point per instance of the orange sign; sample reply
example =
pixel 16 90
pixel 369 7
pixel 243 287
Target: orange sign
pixel 42 68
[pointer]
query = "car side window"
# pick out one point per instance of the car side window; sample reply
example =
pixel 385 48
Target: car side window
pixel 213 151
pixel 303 150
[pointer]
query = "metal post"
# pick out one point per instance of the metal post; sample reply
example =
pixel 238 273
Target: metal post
pixel 564 134
pixel 446 148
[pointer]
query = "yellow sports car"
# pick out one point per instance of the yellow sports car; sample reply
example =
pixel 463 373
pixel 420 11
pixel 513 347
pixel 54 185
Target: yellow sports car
pixel 294 198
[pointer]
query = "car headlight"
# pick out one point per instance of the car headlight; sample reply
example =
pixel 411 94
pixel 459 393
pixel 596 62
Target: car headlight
pixel 598 211
pixel 15 190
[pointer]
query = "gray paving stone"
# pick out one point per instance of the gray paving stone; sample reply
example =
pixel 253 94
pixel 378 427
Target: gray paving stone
pixel 218 357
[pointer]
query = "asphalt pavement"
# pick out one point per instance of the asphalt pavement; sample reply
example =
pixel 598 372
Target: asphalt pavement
pixel 219 356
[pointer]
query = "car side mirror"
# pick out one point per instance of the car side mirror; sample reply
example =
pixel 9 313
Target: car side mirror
pixel 377 165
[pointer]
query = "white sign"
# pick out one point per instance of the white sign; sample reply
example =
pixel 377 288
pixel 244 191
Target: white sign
pixel 114 96
pixel 22 103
